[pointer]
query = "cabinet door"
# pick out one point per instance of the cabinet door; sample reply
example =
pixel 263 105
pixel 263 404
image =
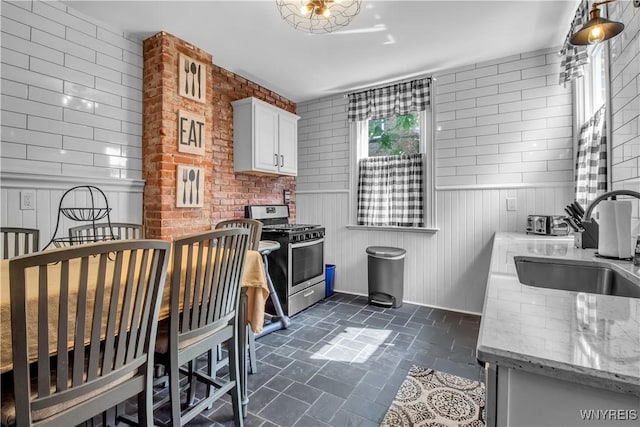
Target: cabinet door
pixel 265 128
pixel 288 148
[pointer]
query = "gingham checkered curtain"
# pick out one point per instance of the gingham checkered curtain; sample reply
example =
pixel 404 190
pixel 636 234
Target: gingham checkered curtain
pixel 574 57
pixel 591 162
pixel 400 98
pixel 390 191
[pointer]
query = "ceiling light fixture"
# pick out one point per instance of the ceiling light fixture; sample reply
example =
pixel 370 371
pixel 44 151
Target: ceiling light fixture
pixel 318 16
pixel 597 29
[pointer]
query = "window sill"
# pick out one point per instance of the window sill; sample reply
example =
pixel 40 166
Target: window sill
pixel 390 228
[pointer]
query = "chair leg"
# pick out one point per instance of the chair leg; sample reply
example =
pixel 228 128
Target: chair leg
pixel 145 407
pixel 191 394
pixel 174 393
pixel 253 363
pixel 219 351
pixel 234 375
pixel 212 360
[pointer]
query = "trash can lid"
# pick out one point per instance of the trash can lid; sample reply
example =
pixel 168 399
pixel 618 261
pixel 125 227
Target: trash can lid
pixel 385 251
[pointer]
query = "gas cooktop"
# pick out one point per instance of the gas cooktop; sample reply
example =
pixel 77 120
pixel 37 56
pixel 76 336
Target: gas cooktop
pixel 292 227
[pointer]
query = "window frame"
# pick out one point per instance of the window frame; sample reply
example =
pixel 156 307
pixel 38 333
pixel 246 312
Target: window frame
pixel 584 108
pixel 359 140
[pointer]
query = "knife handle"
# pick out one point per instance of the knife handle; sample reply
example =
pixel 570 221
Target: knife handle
pixel 578 208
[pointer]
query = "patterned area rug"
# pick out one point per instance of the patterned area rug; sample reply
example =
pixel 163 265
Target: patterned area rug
pixel 432 398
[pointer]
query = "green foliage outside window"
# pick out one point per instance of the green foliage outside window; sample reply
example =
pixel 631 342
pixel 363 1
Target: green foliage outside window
pixel 393 136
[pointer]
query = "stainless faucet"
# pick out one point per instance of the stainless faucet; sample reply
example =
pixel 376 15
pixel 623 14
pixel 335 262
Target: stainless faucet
pixel 587 213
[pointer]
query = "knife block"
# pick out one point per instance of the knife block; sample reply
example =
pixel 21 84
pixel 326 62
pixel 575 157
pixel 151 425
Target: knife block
pixel 588 239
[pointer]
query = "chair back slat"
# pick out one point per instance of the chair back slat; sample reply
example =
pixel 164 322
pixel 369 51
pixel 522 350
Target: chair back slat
pixel 62 369
pixel 112 316
pixel 198 288
pixel 96 321
pixel 206 279
pixel 149 310
pixel 81 310
pixel 44 381
pixel 107 298
pixel 134 321
pixel 90 232
pixel 18 241
pixel 123 321
pixel 253 225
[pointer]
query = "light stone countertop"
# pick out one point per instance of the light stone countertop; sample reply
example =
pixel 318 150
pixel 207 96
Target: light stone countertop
pixel 581 337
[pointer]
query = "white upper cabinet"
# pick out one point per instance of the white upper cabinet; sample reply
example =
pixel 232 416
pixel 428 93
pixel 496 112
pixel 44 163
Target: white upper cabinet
pixel 265 138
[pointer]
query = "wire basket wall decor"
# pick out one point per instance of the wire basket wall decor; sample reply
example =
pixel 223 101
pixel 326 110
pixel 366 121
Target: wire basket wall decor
pixel 98 210
pixel 85 214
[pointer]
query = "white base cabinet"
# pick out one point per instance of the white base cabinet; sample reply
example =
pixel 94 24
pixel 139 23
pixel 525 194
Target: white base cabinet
pixel 265 138
pixel 523 398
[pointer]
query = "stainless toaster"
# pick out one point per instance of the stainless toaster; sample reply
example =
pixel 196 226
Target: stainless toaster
pixel 550 225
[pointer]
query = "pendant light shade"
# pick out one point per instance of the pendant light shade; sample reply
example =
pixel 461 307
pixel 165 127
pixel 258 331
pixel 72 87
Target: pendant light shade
pixel 597 29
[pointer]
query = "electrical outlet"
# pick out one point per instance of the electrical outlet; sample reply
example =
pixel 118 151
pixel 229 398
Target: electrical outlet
pixel 511 204
pixel 27 200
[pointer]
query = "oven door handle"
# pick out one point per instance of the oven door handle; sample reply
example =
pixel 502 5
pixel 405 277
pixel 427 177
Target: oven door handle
pixel 307 243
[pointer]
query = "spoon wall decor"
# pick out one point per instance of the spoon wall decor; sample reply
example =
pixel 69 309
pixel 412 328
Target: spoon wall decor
pixel 194 70
pixel 192 176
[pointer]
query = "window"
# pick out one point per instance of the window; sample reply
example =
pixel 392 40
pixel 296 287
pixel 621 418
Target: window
pixel 391 181
pixel 591 118
pixel 396 136
pixel 591 89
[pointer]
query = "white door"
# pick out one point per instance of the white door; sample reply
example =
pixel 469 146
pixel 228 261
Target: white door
pixel 265 140
pixel 288 148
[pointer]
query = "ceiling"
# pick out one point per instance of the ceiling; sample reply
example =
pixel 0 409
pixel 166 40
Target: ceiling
pixel 388 40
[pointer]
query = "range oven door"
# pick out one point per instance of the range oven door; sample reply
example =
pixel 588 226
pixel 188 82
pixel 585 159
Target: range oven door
pixel 306 264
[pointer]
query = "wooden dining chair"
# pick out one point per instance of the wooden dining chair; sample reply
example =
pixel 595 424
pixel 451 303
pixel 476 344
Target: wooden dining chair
pixel 205 290
pixel 19 241
pixel 86 316
pixel 87 233
pixel 253 225
pixel 255 232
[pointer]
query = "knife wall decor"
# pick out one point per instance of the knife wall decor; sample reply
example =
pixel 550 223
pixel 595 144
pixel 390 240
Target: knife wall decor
pixel 191 133
pixel 189 187
pixel 192 80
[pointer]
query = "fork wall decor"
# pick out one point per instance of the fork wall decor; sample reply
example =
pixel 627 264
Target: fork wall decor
pixel 189 187
pixel 192 81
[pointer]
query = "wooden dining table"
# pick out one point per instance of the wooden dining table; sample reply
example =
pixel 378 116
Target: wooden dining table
pixel 251 309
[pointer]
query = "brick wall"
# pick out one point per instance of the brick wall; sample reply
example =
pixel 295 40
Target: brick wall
pixel 225 193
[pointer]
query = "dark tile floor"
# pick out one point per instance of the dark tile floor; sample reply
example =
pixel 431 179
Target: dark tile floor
pixel 341 362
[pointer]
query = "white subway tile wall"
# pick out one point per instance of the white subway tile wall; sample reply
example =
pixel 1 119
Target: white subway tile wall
pixel 625 94
pixel 511 123
pixel 498 122
pixel 323 144
pixel 486 141
pixel 71 94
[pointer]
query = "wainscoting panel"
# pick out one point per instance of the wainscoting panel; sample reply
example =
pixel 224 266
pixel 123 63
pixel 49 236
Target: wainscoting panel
pixel 447 269
pixel 124 198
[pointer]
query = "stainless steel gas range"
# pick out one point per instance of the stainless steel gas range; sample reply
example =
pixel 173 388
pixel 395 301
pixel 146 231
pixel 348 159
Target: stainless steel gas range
pixel 297 268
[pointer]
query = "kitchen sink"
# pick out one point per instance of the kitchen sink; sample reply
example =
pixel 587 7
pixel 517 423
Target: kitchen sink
pixel 576 276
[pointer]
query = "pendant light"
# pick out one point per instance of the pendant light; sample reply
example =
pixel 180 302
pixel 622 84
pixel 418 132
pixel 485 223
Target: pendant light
pixel 318 16
pixel 597 29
